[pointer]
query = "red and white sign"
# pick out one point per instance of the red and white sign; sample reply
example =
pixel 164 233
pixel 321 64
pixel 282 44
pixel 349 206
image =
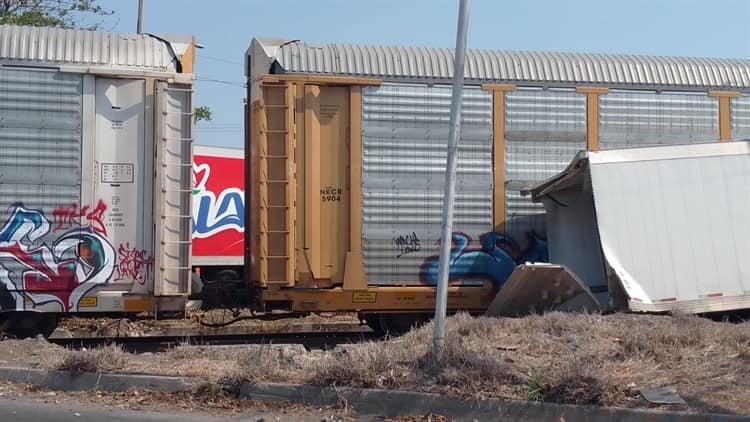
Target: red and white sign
pixel 218 206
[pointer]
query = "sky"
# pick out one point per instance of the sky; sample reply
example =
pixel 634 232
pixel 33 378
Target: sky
pixel 702 28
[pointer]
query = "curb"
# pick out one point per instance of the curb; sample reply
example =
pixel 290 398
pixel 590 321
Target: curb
pixel 384 403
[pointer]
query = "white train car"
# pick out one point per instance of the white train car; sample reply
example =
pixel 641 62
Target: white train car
pixel 95 174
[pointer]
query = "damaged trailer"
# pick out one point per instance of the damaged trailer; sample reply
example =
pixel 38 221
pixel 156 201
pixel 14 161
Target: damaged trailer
pixel 654 229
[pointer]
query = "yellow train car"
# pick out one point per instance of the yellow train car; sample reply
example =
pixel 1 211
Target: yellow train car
pixel 346 150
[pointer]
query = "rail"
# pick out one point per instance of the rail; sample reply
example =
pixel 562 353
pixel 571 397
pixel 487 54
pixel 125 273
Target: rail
pixel 142 344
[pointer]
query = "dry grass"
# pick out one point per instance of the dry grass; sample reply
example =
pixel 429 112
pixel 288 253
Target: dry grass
pixel 570 358
pixel 101 359
pixel 582 358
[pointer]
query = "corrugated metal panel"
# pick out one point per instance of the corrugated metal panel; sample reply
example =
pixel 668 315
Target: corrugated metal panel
pixel 405 131
pixel 40 171
pixel 628 119
pixel 512 66
pixel 40 127
pixel 740 115
pixel 70 46
pixel 544 129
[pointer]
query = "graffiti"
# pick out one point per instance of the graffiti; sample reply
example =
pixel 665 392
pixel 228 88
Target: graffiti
pixel 61 273
pixel 406 244
pixel 494 261
pixel 212 215
pixel 70 216
pixel 134 263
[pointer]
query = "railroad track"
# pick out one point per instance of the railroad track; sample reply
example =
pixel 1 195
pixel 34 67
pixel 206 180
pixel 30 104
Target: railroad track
pixel 142 344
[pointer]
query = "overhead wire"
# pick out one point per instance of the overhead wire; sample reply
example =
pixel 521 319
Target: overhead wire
pixel 219 81
pixel 218 59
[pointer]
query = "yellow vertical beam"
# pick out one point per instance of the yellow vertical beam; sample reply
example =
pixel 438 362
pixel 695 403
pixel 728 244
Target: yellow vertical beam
pixel 188 58
pixel 592 115
pixel 355 168
pixel 291 187
pixel 312 177
pixel 498 152
pixel 261 125
pixel 725 121
pixel 498 158
pixel 354 267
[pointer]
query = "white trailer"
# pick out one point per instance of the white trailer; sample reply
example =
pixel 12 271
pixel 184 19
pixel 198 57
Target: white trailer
pixel 95 172
pixel 654 229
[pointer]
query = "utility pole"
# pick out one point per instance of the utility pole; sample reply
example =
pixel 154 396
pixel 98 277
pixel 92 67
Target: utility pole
pixel 140 16
pixel 441 299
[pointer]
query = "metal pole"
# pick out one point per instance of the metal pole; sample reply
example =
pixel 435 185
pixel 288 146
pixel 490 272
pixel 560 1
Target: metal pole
pixel 441 300
pixel 140 16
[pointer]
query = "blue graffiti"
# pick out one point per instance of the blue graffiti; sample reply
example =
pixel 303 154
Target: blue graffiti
pixel 46 270
pixel 494 261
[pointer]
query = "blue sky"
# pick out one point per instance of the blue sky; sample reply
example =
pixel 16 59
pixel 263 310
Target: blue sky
pixel 712 28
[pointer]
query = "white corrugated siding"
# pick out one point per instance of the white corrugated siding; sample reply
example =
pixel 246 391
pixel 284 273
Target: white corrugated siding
pixel 513 66
pixel 628 119
pixel 544 129
pixel 405 136
pixel 740 115
pixel 70 46
pixel 40 144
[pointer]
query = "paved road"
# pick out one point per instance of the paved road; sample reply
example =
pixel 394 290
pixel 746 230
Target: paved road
pixel 23 409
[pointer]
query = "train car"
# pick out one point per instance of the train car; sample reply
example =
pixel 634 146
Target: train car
pixel 218 223
pixel 95 174
pixel 346 149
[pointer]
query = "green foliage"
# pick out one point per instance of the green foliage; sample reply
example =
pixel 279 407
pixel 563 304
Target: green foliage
pixel 65 14
pixel 202 113
pixel 534 387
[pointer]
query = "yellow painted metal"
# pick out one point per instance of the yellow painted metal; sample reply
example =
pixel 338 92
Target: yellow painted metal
pixel 354 272
pixel 327 194
pixel 188 58
pixel 498 87
pixel 355 168
pixel 725 122
pixel 291 188
pixel 592 114
pixel 498 158
pixel 334 192
pixel 354 266
pixel 254 115
pixel 138 305
pixel 277 187
pixel 312 180
pixel 592 90
pixel 262 152
pixel 385 299
pixel 321 80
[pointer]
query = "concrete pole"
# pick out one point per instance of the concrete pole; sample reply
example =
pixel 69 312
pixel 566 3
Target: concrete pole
pixel 140 16
pixel 441 300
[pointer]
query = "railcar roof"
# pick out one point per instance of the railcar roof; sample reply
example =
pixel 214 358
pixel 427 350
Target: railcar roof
pixel 499 66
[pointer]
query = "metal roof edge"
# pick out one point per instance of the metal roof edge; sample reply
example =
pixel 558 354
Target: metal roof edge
pixel 52 47
pixel 392 63
pixel 577 165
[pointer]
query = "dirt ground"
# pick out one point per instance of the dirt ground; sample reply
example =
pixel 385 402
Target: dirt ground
pixel 584 359
pixel 197 321
pixel 204 402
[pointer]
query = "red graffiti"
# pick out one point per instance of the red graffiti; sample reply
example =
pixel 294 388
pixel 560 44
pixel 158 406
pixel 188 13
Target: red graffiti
pixel 39 277
pixel 66 217
pixel 134 263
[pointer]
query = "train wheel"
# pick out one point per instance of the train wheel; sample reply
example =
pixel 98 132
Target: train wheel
pixel 394 324
pixel 29 324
